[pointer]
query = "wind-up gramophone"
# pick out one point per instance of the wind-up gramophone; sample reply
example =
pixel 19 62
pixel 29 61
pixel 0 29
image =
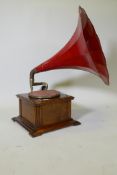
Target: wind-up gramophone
pixel 46 110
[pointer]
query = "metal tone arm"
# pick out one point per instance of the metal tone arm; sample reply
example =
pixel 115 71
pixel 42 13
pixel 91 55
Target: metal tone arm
pixel 33 83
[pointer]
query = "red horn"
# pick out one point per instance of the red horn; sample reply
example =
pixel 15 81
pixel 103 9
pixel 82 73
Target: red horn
pixel 83 51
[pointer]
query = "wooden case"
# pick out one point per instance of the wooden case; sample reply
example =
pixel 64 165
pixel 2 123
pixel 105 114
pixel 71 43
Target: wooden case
pixel 43 115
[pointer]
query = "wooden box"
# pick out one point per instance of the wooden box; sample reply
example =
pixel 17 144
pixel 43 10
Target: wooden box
pixel 40 116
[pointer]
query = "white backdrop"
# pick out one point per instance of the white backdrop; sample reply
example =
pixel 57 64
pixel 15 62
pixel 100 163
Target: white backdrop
pixel 31 31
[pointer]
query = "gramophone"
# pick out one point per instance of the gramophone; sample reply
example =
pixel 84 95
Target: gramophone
pixel 47 110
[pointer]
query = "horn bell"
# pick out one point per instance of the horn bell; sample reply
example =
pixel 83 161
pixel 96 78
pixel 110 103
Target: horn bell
pixel 83 51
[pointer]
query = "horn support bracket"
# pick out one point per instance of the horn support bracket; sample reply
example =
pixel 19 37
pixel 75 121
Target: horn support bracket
pixel 43 93
pixel 33 83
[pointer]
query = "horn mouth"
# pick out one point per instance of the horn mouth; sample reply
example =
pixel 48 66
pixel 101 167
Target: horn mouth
pixel 98 63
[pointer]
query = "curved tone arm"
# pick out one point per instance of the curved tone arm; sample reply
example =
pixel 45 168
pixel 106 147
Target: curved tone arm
pixel 32 83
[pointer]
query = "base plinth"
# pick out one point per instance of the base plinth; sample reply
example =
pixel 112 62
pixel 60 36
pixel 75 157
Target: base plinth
pixel 39 131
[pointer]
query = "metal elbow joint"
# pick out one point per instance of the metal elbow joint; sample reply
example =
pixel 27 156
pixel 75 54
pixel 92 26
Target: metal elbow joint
pixel 33 83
